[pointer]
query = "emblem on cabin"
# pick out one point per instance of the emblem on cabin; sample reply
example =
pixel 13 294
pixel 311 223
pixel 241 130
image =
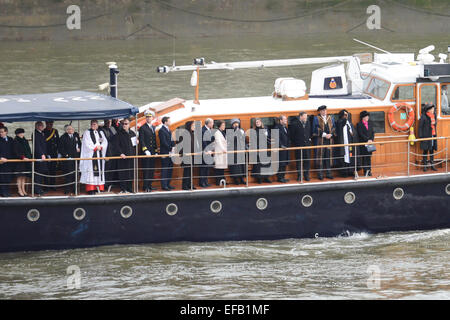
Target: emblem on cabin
pixel 332 84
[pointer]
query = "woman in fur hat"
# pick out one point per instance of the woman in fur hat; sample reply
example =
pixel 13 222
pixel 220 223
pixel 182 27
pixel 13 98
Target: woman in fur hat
pixel 427 129
pixel 365 134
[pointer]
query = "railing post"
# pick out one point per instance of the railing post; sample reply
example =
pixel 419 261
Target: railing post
pixel 246 160
pixel 76 177
pixel 446 155
pixel 356 162
pixel 409 152
pixel 192 172
pixel 301 165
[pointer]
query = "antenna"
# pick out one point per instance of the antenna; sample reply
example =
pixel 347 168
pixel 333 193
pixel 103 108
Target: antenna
pixel 369 45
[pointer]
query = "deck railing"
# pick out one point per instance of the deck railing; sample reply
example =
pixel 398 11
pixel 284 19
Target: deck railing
pixel 410 157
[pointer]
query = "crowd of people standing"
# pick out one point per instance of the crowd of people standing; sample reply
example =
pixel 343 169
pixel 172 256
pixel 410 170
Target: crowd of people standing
pixel 228 152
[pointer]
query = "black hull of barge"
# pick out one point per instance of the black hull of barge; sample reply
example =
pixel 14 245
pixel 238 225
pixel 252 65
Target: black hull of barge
pixel 424 206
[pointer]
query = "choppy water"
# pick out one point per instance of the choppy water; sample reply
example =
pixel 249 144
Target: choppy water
pixel 413 265
pixel 410 265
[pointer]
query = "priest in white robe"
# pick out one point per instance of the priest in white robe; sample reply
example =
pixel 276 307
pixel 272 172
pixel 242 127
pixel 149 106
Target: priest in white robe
pixel 94 145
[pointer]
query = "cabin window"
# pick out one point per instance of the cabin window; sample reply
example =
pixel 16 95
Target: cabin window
pixel 378 121
pixel 403 93
pixel 445 108
pixel 227 123
pixel 269 122
pixel 428 94
pixel 376 87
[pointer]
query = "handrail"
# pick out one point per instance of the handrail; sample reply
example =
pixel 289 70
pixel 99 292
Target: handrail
pixel 229 152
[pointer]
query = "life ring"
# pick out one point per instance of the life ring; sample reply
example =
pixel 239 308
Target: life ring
pixel 409 122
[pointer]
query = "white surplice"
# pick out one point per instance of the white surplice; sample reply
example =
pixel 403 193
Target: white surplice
pixel 87 151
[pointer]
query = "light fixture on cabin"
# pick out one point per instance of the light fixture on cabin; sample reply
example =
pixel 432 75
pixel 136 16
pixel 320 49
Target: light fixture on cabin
pixel 199 61
pixel 442 57
pixel 162 69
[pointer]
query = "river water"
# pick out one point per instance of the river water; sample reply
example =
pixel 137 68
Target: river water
pixel 411 265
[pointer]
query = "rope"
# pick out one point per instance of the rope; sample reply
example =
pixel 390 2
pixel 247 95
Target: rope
pixel 52 25
pixel 315 12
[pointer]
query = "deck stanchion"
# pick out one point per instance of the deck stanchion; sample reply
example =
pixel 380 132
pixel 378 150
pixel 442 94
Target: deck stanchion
pixel 192 174
pixel 246 159
pixel 32 165
pixel 76 177
pixel 446 155
pixel 301 165
pixel 409 152
pixel 356 162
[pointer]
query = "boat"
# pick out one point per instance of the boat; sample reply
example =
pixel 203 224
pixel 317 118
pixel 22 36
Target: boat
pixel 398 196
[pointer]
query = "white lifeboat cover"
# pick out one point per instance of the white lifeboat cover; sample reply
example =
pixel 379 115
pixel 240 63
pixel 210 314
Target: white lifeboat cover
pixel 293 88
pixel 277 85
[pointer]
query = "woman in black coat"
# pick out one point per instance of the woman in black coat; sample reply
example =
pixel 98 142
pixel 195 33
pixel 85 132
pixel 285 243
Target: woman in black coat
pixel 261 135
pixel 428 129
pixel 187 160
pixel 22 150
pixel 365 134
pixel 125 145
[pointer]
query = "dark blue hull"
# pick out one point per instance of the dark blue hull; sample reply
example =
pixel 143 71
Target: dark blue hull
pixel 425 205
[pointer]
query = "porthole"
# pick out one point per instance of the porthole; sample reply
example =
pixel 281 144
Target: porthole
pixel 33 215
pixel 447 189
pixel 79 213
pixel 307 201
pixel 126 212
pixel 349 197
pixel 398 193
pixel 262 203
pixel 216 206
pixel 171 209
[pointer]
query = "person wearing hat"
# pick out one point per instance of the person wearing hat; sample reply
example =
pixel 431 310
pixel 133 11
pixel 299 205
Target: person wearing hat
pixel 324 132
pixel 346 134
pixel 236 142
pixel 52 141
pixel 365 134
pixel 428 129
pixel 260 140
pixel 69 147
pixel 6 168
pixel 148 147
pixel 22 150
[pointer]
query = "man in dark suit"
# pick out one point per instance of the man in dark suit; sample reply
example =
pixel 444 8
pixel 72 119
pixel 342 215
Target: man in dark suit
pixel 207 138
pixel 166 144
pixel 300 135
pixel 52 141
pixel 147 139
pixel 40 152
pixel 283 142
pixel 6 169
pixel 69 147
